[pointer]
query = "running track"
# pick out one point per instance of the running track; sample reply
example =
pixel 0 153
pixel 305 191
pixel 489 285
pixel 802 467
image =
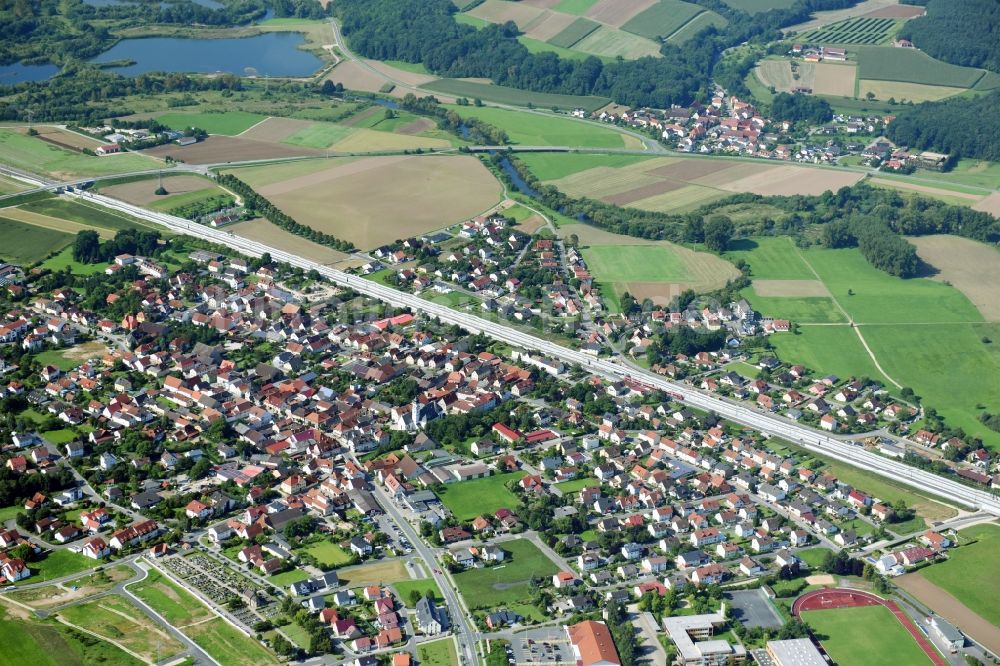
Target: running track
pixel 841 598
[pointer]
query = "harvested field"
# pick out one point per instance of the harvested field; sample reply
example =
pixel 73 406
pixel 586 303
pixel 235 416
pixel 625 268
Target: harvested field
pixel 947 606
pixel 378 572
pixel 531 224
pixel 902 91
pixel 777 74
pixel 143 192
pixel 690 170
pixel 417 126
pixel 275 129
pixel 612 42
pixel 990 204
pixel 498 11
pixel 54 223
pixel 219 149
pixel 377 200
pixel 355 76
pixel 366 140
pixel 548 25
pixel 645 192
pixel 65 138
pixel 897 11
pixel 790 180
pixel 924 189
pixel 262 231
pixel 409 78
pixel 972 268
pixel 834 79
pixel 790 288
pixel 618 12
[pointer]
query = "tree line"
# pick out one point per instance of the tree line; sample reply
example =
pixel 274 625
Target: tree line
pixel 962 33
pixel 966 127
pixel 88 248
pixel 255 202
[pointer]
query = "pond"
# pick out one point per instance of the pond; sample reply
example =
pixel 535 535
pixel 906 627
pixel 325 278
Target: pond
pixel 271 54
pixel 19 73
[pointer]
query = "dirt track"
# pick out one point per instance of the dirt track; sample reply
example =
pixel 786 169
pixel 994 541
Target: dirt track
pixel 947 606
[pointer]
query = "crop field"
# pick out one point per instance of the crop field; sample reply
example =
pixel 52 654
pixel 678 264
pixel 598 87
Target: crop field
pixel 902 91
pixel 862 30
pixel 662 19
pixel 757 6
pixel 972 268
pixel 229 123
pixel 864 635
pixel 227 645
pixel 143 192
pixel 553 166
pixel 220 149
pixel 509 583
pixel 617 13
pixel 828 78
pixel 263 231
pixel 117 619
pixel 513 96
pixel 34 155
pixel 26 243
pixel 574 32
pixel 696 25
pixel 989 204
pixel 477 497
pixel 613 43
pixel 913 66
pixel 543 129
pixel 350 200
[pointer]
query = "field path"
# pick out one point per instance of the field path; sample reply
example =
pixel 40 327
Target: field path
pixel 851 323
pixel 103 638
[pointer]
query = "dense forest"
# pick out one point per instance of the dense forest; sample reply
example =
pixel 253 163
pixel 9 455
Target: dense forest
pixel 962 32
pixel 799 107
pixel 967 127
pixel 426 32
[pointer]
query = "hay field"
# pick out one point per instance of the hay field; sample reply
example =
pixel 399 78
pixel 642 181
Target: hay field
pixel 612 42
pixel 777 74
pixel 617 13
pixel 790 288
pixel 377 200
pixel 834 79
pixel 662 19
pixel 972 268
pixel 787 180
pixel 903 91
pixel 262 231
pixel 275 129
pixel 364 140
pixel 143 192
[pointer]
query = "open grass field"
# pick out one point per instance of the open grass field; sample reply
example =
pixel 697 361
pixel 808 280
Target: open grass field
pixel 553 166
pixel 178 606
pixel 509 583
pixel 27 243
pixel 12 186
pixel 813 556
pixel 34 155
pixel 614 43
pixel 468 499
pixel 67 359
pixel 438 653
pixel 381 572
pixel 229 123
pixel 64 258
pixel 117 619
pixel 317 135
pixel 827 349
pixel 951 608
pixel 905 92
pixel 513 96
pixel 863 636
pixel 573 33
pixel 912 66
pixel 421 585
pixel 328 554
pixel 771 258
pixel 85 586
pixel 575 7
pixel 286 578
pixel 263 231
pixel 696 25
pixel 971 267
pixel 227 645
pixel 27 640
pixel 662 19
pixel 350 200
pixel 143 192
pixel 538 129
pixel 91 215
pixel 57 564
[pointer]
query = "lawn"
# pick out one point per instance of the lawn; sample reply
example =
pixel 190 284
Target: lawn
pixel 10 513
pixel 382 573
pixel 970 572
pixel 863 636
pixel 514 96
pixel 286 578
pixel 230 122
pixel 177 606
pixel 508 583
pixel 115 618
pixel 543 129
pixel 576 485
pixel 36 156
pixel 328 554
pixel 468 499
pixel 553 166
pixel 635 263
pixel 29 641
pixel 27 243
pixel 771 258
pixel 61 436
pixel 57 358
pixel 59 563
pixel 421 585
pixel 813 556
pixel 60 261
pixel 227 645
pixel 437 653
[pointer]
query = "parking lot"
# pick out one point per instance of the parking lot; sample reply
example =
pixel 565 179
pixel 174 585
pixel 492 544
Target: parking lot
pixel 753 609
pixel 547 646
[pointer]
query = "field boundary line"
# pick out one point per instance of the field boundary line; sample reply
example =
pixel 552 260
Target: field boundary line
pixel 259 122
pixel 683 25
pixel 850 321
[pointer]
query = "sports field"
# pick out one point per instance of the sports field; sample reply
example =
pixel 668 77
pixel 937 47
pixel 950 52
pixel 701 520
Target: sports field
pixel 27 243
pixel 230 122
pixel 547 129
pixel 34 155
pixel 468 499
pixel 864 636
pixel 509 583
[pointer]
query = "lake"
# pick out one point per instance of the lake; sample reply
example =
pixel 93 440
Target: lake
pixel 19 73
pixel 271 54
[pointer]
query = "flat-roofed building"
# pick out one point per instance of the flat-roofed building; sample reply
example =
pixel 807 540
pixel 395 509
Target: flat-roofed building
pixel 692 635
pixel 795 652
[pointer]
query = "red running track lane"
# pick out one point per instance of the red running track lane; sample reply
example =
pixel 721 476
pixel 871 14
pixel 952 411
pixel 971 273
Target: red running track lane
pixel 842 598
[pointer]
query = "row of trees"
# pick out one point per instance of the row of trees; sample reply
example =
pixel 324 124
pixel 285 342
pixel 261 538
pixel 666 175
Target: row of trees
pixel 963 33
pixel 88 248
pixel 469 128
pixel 959 126
pixel 255 202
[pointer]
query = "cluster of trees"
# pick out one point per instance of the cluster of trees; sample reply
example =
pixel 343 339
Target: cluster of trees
pixel 960 126
pixel 15 488
pixel 255 202
pixel 88 248
pixel 470 128
pixel 798 107
pixel 963 33
pixel 684 340
pixel 889 252
pixel 623 634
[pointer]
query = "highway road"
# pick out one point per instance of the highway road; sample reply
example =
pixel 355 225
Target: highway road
pixel 769 424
